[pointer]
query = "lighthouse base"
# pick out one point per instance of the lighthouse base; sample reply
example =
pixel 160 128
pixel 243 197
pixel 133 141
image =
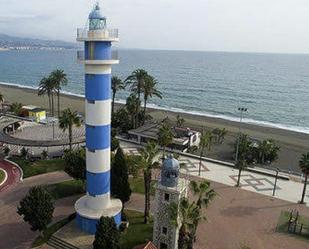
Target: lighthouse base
pixel 87 217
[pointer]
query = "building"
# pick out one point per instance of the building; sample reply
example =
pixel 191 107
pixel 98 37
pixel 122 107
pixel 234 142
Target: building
pixel 98 60
pixel 34 113
pixel 170 188
pixel 149 245
pixel 184 138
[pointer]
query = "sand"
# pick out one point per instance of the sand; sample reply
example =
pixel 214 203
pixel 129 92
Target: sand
pixel 292 144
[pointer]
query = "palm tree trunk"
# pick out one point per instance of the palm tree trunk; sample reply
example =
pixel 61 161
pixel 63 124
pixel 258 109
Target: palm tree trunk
pixel 58 95
pixel 304 190
pixel 52 101
pixel 49 103
pixel 239 175
pixel 113 103
pixel 200 164
pixel 181 238
pixel 145 107
pixel 147 201
pixel 70 136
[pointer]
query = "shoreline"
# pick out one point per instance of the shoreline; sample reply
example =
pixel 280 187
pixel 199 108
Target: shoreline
pixel 293 144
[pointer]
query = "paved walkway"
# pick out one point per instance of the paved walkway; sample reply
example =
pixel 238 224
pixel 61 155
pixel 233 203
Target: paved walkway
pixel 14 232
pixel 13 174
pixel 259 183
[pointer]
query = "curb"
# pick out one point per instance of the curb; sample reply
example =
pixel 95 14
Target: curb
pixel 5 177
pixel 20 169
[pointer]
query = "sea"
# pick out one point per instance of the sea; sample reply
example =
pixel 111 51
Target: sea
pixel 274 87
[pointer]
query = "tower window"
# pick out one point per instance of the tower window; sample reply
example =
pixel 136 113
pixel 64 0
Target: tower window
pixel 164 230
pixel 163 246
pixel 166 197
pixel 91 101
pixel 91 150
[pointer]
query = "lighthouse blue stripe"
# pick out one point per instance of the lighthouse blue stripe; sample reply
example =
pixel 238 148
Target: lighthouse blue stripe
pixel 98 86
pixel 98 137
pixel 98 183
pixel 101 50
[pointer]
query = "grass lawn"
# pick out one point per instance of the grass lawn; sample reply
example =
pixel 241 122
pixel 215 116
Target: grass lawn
pixel 137 185
pixel 39 167
pixel 283 225
pixel 137 233
pixel 51 230
pixel 2 175
pixel 65 189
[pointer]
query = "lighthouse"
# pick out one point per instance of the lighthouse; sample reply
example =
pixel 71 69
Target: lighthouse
pixel 98 59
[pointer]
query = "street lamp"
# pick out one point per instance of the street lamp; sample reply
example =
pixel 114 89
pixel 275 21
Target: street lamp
pixel 242 110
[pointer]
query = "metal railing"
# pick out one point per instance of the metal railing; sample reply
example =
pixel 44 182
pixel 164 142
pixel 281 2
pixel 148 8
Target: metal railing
pixel 84 33
pixel 81 56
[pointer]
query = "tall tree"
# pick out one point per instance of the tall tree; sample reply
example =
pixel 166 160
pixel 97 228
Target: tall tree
pixel 147 162
pixel 165 136
pixel 66 122
pixel 117 85
pixel 150 90
pixel 185 215
pixel 132 106
pixel 16 108
pixel 36 208
pixel 304 166
pixel 205 143
pixel 107 235
pixel 203 192
pixel 120 187
pixel 59 79
pixel 47 86
pixel 136 81
pixel 1 100
pixel 179 121
pixel 75 164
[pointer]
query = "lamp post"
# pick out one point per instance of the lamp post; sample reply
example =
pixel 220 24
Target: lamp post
pixel 242 110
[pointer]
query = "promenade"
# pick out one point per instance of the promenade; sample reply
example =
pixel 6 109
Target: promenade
pixel 287 190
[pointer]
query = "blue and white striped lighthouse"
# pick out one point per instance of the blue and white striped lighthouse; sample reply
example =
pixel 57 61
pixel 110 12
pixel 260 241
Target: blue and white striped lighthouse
pixel 98 59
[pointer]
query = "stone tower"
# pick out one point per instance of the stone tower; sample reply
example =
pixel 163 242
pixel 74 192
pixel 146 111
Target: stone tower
pixel 170 188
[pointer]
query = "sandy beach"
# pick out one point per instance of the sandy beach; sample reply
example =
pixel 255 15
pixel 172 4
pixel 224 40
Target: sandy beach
pixel 292 144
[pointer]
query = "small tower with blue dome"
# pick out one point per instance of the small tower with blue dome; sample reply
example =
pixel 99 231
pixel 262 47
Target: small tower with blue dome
pixel 170 188
pixel 98 59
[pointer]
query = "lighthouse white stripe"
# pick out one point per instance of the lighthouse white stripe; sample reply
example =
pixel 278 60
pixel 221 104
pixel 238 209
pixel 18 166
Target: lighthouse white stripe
pixel 98 161
pixel 98 69
pixel 99 201
pixel 98 113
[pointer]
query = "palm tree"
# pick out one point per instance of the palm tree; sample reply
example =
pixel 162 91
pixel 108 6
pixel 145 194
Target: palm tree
pixel 147 162
pixel 132 106
pixel 117 85
pixel 1 100
pixel 67 120
pixel 59 79
pixel 186 216
pixel 179 121
pixel 150 90
pixel 203 192
pixel 204 195
pixel 136 81
pixel 16 108
pixel 222 134
pixel 205 143
pixel 304 166
pixel 165 136
pixel 46 86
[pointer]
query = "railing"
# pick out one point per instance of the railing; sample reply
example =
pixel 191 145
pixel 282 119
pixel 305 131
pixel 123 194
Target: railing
pixel 81 56
pixel 108 34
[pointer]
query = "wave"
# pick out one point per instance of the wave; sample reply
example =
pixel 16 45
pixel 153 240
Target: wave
pixel 192 112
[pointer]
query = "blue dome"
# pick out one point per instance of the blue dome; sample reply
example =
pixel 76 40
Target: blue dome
pixel 96 13
pixel 170 172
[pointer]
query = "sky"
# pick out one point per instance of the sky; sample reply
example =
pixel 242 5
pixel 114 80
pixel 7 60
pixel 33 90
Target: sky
pixel 212 25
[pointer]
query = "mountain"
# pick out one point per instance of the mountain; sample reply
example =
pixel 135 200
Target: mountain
pixel 13 42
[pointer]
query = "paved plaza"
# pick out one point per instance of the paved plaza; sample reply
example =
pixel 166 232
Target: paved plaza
pixel 288 190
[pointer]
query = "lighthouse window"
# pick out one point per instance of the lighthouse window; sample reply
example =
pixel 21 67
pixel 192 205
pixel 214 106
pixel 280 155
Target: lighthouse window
pixel 92 151
pixel 91 101
pixel 163 246
pixel 166 197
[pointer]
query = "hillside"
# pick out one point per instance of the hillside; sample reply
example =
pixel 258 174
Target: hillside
pixel 14 42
